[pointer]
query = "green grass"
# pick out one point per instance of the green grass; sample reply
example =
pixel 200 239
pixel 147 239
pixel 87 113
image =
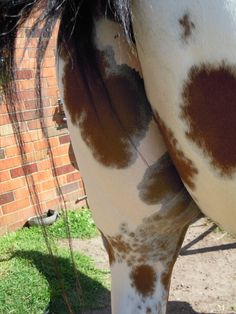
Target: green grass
pixel 29 283
pixel 80 222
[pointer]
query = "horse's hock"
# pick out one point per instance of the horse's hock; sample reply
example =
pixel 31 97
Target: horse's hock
pixel 16 201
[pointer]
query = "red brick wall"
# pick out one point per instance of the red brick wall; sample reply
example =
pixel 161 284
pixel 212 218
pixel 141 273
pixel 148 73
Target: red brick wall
pixel 16 204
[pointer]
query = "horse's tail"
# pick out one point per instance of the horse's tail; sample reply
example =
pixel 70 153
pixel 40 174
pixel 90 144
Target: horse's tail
pixel 13 14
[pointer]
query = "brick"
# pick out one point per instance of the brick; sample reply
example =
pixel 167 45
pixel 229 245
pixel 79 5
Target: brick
pixel 51 91
pixel 28 94
pixel 64 169
pixel 37 124
pixel 10 163
pixel 49 112
pixel 21 33
pixel 47 195
pixel 61 160
pixel 44 165
pixel 26 213
pixel 6 140
pixel 54 100
pixel 21 193
pixel 20 53
pixel 37 156
pixel 6 198
pixel 26 63
pixel 30 104
pixel 44 143
pixel 64 139
pixel 51 52
pixel 24 74
pixel 7 219
pixel 4 119
pixel 12 151
pixel 81 185
pixel 26 84
pixel 42 175
pixel 71 197
pixel 2 153
pixel 49 62
pixel 6 130
pixel 20 215
pixel 32 43
pixel 24 170
pixel 47 185
pixel 48 72
pixel 15 206
pixel 60 150
pixel 52 42
pixel 61 180
pixel 56 132
pixel 31 115
pixel 41 144
pixel 15 150
pixel 4 176
pixel 20 126
pixel 16 226
pixel 12 185
pixel 69 188
pixel 73 177
pixel 32 136
pixel 36 114
pixel 3 107
pixel 32 52
pixel 52 81
pixel 17 172
pixel 53 204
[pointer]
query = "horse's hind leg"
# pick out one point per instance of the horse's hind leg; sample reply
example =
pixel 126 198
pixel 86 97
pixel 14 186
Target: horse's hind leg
pixel 142 258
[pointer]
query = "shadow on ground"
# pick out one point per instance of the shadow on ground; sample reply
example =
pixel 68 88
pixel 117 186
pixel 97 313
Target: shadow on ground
pixel 185 249
pixel 61 277
pixel 179 307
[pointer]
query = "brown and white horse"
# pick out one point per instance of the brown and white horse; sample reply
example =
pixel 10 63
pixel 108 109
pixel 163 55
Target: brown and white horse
pixel 146 83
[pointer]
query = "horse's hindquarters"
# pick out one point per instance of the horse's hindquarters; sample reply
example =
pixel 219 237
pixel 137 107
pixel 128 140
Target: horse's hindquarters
pixel 187 53
pixel 138 200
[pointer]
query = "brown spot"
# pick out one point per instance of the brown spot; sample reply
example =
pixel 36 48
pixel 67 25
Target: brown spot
pixel 120 245
pixel 183 164
pixel 187 26
pixel 165 278
pixel 210 110
pixel 148 310
pixel 143 278
pixel 109 249
pixel 112 110
pixel 160 183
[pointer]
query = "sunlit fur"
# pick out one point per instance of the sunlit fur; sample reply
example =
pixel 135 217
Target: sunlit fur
pixel 166 60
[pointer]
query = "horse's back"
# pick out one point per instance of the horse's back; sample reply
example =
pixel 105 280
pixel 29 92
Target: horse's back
pixel 187 51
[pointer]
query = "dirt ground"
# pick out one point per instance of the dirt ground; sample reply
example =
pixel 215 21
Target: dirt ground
pixel 204 276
